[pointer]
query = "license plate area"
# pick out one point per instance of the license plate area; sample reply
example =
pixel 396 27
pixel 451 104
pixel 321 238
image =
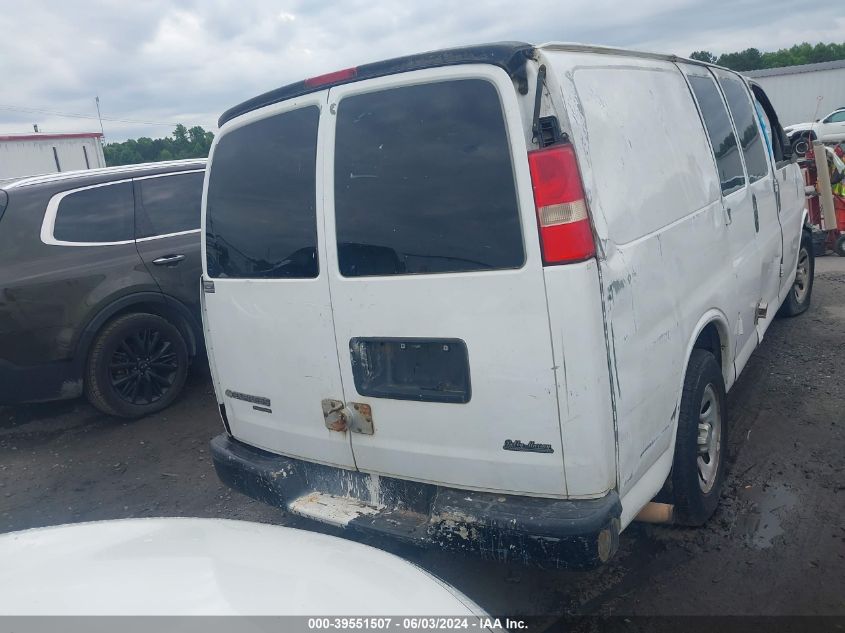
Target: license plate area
pixel 422 369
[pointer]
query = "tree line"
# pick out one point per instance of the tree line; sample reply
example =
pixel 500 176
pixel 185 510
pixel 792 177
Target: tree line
pixel 754 59
pixel 185 142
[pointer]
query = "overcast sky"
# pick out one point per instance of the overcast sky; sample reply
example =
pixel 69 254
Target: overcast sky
pixel 186 61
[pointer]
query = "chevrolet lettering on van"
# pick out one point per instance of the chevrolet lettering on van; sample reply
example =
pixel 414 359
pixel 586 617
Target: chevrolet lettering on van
pixel 530 447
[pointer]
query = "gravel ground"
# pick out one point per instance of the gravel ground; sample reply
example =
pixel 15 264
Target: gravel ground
pixel 776 545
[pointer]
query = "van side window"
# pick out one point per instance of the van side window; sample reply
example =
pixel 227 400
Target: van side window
pixel 745 120
pixel 168 204
pixel 766 124
pixel 424 182
pixel 721 134
pixel 98 214
pixel 261 213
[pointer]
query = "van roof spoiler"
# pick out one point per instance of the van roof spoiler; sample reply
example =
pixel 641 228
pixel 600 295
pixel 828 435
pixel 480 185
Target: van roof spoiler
pixel 510 56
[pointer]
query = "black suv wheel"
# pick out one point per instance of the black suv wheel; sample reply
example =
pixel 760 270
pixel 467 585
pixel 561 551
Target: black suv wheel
pixel 137 366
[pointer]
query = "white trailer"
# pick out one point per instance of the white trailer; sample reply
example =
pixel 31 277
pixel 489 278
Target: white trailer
pixel 33 154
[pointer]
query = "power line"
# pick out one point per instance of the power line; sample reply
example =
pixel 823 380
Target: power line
pixel 82 116
pixel 100 117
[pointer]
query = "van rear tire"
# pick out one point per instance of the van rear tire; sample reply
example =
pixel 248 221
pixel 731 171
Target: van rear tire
pixel 698 470
pixel 800 294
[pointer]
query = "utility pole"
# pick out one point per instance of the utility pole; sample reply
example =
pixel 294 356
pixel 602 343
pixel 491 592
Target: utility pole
pixel 97 99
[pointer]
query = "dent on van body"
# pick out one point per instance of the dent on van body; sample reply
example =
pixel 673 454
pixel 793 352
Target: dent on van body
pixel 663 259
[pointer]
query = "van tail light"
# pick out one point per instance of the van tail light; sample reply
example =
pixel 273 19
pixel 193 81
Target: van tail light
pixel 565 233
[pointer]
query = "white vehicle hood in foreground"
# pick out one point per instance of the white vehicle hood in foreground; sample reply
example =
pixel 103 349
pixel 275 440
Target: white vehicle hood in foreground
pixel 210 567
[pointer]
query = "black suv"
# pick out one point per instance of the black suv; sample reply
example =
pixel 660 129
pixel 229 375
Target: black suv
pixel 99 285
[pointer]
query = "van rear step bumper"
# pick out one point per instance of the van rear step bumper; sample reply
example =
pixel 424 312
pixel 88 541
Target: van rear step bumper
pixel 549 533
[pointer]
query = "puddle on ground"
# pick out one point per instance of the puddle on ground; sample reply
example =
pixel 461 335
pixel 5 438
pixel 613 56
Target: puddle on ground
pixel 767 506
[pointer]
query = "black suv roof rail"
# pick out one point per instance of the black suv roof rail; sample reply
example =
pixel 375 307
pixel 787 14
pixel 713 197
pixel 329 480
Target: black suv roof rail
pixel 510 56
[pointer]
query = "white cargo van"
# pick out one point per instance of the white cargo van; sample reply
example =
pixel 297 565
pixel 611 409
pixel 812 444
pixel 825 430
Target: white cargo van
pixel 492 298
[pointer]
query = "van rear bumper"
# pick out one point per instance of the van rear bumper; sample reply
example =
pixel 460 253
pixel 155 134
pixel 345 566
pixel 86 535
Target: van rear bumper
pixel 549 533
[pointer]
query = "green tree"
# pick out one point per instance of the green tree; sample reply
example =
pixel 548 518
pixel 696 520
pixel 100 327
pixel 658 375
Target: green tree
pixel 184 143
pixel 704 56
pixel 749 59
pixel 753 59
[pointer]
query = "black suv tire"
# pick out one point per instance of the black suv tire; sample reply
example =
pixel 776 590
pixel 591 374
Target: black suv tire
pixel 137 365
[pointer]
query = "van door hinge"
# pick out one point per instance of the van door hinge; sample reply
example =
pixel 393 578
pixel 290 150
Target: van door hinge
pixel 356 417
pixel 334 415
pixel 761 312
pixel 781 269
pixel 361 418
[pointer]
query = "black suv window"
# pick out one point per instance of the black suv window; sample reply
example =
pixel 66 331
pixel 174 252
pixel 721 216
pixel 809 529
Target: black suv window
pixel 721 134
pixel 168 204
pixel 99 214
pixel 745 119
pixel 424 182
pixel 261 214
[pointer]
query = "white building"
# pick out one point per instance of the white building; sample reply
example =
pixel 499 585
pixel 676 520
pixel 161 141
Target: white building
pixel 803 93
pixel 31 154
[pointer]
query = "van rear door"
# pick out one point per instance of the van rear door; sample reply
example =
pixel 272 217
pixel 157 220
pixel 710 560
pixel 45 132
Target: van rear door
pixel 267 311
pixel 437 283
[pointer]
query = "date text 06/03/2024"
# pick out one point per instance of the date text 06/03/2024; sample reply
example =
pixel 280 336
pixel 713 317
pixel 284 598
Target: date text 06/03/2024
pixel 415 623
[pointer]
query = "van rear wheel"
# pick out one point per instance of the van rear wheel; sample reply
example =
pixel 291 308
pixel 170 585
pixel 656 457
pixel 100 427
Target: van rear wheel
pixel 137 366
pixel 698 471
pixel 798 299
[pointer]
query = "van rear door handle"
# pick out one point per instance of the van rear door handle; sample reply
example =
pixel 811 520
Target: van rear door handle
pixel 168 260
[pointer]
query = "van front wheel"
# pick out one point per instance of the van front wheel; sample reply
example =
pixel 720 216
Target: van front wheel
pixel 698 471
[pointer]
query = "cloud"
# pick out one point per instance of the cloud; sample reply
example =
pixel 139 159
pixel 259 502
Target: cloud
pixel 188 60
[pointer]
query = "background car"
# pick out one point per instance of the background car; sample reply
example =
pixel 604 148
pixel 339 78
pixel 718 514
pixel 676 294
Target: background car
pixel 830 129
pixel 99 285
pixel 216 567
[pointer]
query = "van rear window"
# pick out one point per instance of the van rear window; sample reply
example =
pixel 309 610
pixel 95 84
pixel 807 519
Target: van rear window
pixel 424 182
pixel 261 215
